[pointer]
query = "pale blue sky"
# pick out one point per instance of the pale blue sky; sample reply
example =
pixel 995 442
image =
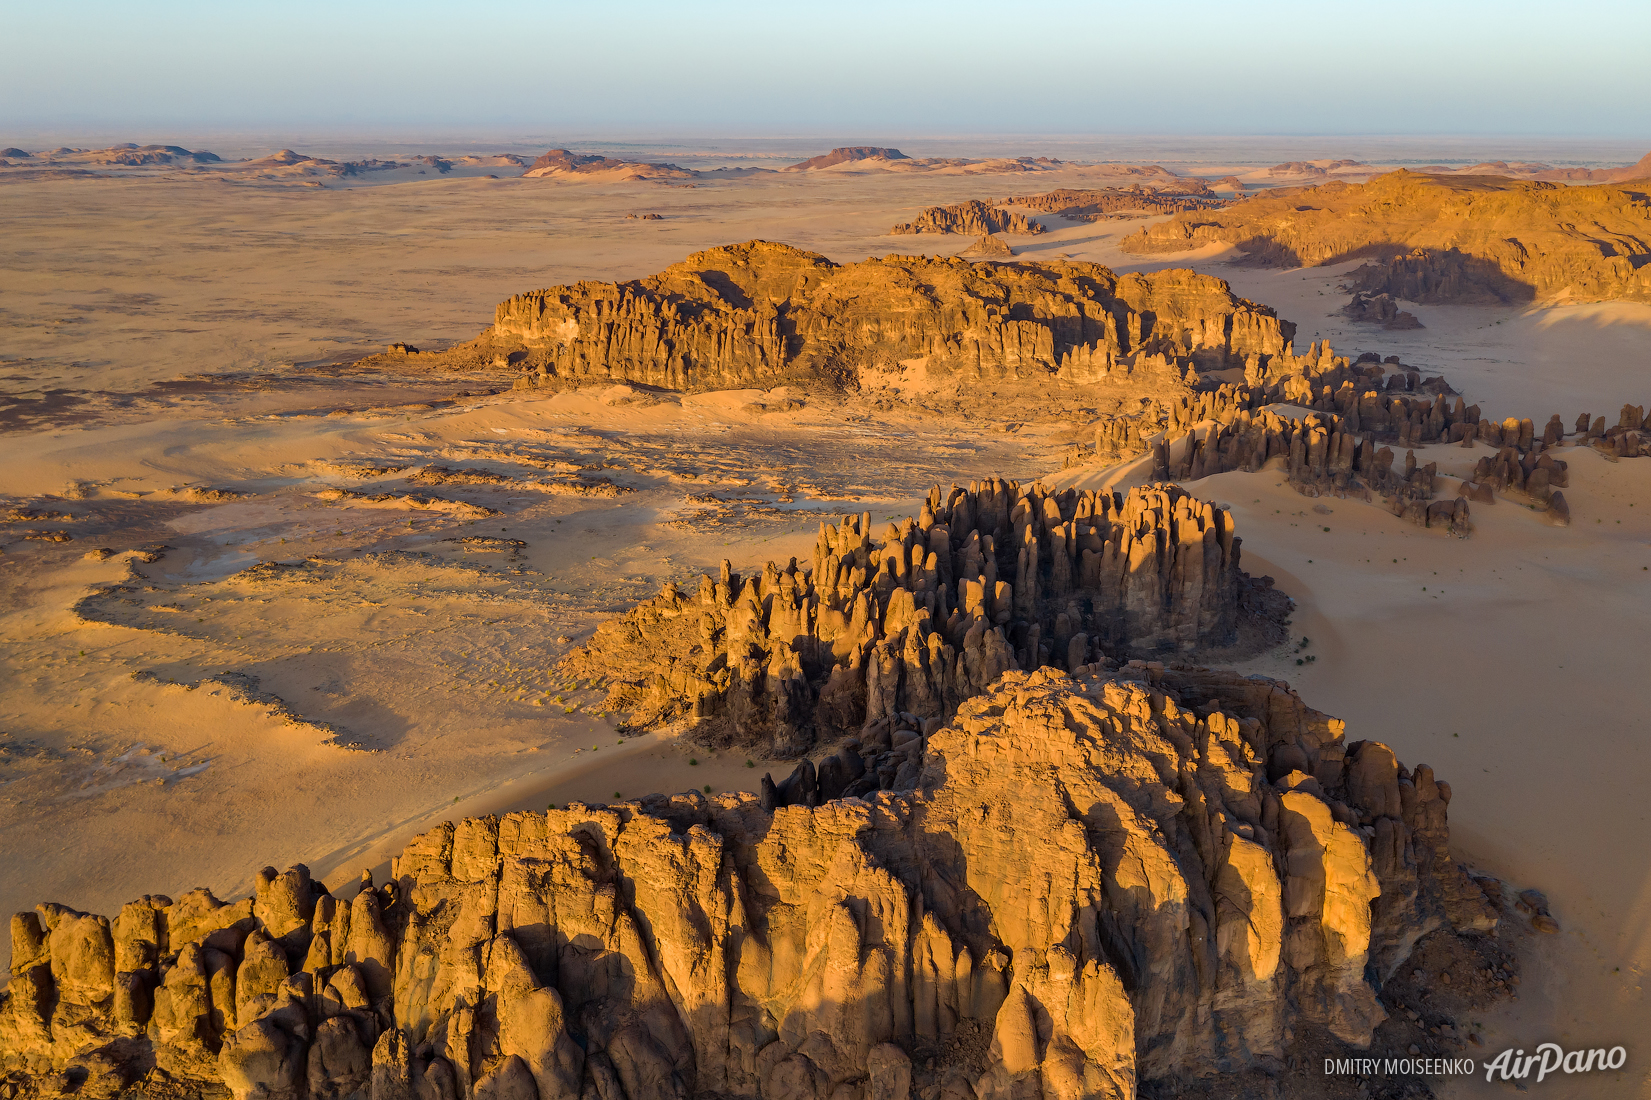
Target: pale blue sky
pixel 1508 67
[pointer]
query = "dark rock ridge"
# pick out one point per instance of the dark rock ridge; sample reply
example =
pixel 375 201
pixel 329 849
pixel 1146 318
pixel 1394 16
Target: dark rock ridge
pixel 974 217
pixel 1093 883
pixel 846 154
pixel 990 578
pixel 1441 238
pixel 764 314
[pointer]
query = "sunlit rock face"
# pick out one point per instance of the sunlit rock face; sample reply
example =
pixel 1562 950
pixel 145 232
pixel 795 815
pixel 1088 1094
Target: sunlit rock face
pixel 1096 880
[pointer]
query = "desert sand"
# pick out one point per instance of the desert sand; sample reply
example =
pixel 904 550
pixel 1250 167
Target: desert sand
pixel 176 360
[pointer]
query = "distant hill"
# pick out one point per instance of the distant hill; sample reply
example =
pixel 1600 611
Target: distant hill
pixel 1441 238
pixel 562 162
pixel 845 154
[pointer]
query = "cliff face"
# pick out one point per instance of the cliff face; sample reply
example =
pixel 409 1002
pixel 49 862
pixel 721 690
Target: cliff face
pixel 1442 238
pixel 986 579
pixel 762 314
pixel 1094 882
pixel 975 218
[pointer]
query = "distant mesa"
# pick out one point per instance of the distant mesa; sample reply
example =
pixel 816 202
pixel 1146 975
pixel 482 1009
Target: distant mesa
pixel 562 162
pixel 1315 169
pixel 645 217
pixel 1547 173
pixel 14 153
pixel 284 158
pixel 1232 183
pixel 989 246
pixel 974 217
pixel 136 155
pixel 1439 238
pixel 845 155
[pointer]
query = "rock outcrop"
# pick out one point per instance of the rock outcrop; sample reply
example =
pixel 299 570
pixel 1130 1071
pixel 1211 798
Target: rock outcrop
pixel 1379 309
pixel 990 578
pixel 975 218
pixel 1123 202
pixel 1091 884
pixel 1343 447
pixel 1441 238
pixel 763 314
pixel 989 247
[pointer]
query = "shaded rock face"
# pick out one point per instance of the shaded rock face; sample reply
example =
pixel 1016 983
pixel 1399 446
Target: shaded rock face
pixel 1441 238
pixel 1094 883
pixel 974 217
pixel 986 579
pixel 762 314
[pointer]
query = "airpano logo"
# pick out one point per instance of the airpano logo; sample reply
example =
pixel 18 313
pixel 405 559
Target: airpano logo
pixel 1510 1065
pixel 1514 1065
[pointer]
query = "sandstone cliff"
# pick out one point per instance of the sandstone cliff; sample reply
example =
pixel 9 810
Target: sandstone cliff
pixel 763 314
pixel 1093 884
pixel 975 218
pixel 1440 238
pixel 989 578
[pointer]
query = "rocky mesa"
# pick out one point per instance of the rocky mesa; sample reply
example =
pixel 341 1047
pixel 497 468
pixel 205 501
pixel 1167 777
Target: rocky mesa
pixel 766 314
pixel 1441 238
pixel 976 218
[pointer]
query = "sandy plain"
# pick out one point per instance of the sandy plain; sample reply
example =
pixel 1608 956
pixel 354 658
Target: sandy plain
pixel 165 338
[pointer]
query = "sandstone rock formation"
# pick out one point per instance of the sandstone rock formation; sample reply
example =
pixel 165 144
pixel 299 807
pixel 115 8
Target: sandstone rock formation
pixel 989 578
pixel 1440 237
pixel 1341 449
pixel 1114 202
pixel 989 247
pixel 1091 884
pixel 763 314
pixel 974 217
pixel 1379 309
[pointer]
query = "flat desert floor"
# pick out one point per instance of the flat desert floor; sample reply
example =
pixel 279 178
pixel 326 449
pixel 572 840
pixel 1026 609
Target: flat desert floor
pixel 269 667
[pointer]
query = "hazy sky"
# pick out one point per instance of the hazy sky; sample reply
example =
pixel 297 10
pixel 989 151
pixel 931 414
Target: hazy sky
pixel 1443 66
